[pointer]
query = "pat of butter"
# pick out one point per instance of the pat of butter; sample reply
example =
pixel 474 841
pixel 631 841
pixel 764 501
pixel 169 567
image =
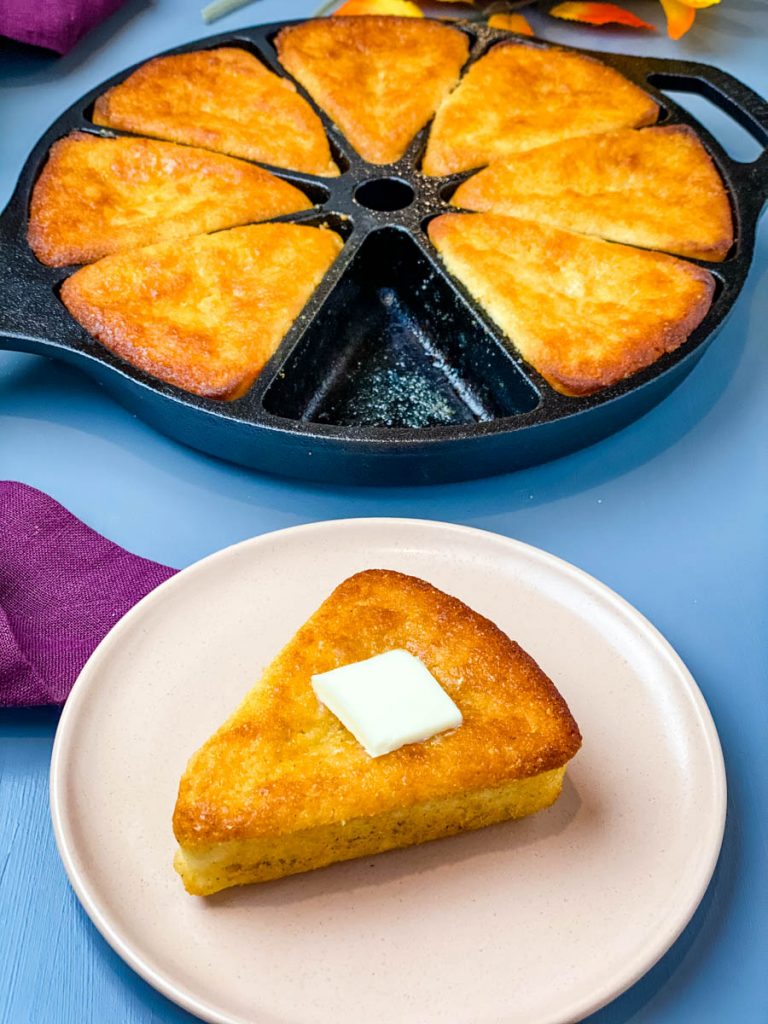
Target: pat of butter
pixel 387 701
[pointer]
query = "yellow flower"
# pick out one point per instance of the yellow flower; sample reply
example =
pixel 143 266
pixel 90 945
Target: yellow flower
pixel 512 23
pixel 400 8
pixel 680 13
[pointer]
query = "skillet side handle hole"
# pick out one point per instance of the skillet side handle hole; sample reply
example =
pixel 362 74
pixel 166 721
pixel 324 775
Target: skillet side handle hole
pixel 739 135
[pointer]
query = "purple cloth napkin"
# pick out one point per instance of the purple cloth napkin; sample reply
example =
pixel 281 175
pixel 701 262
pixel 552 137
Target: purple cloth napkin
pixel 55 24
pixel 62 588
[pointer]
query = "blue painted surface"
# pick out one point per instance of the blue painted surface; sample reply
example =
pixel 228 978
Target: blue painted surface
pixel 672 513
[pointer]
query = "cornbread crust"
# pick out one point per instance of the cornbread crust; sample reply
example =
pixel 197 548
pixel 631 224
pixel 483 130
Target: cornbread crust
pixel 225 100
pixel 282 786
pixel 96 196
pixel 585 313
pixel 379 78
pixel 208 869
pixel 656 188
pixel 520 96
pixel 204 314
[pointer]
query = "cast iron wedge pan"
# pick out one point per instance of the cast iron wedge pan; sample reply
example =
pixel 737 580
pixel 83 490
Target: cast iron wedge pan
pixel 392 374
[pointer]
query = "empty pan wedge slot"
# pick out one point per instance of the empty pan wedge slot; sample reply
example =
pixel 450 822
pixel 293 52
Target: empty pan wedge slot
pixel 392 347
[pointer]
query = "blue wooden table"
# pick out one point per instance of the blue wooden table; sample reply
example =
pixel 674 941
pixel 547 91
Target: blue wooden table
pixel 672 513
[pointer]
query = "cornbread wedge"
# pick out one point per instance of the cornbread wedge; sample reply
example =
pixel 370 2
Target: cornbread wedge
pixel 282 787
pixel 379 78
pixel 584 312
pixel 222 99
pixel 207 313
pixel 656 188
pixel 97 196
pixel 519 96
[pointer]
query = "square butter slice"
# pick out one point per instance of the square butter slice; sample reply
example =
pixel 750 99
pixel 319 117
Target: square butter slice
pixel 387 701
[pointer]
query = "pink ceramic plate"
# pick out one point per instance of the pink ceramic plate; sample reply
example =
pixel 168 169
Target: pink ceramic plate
pixel 530 922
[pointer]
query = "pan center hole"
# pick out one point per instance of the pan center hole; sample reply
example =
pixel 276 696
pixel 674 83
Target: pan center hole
pixel 385 194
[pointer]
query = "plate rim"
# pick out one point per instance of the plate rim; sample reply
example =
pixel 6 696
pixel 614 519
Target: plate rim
pixel 657 943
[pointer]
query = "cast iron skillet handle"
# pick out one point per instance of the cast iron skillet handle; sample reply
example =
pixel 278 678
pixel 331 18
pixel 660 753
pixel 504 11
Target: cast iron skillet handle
pixel 15 292
pixel 29 314
pixel 731 96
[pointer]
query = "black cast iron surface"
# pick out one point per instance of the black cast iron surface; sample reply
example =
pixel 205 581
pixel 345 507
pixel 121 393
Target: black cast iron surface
pixel 392 373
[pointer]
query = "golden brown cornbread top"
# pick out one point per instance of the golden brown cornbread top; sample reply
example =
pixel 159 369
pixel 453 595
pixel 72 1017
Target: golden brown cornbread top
pixel 283 762
pixel 223 99
pixel 379 78
pixel 656 187
pixel 96 196
pixel 204 313
pixel 519 96
pixel 584 312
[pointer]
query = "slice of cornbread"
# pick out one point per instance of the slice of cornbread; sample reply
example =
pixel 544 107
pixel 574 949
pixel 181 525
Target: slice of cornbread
pixel 205 313
pixel 283 787
pixel 98 196
pixel 656 188
pixel 519 96
pixel 585 313
pixel 223 99
pixel 379 78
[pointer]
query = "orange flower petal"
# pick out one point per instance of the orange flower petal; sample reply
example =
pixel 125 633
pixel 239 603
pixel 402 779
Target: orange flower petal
pixel 512 23
pixel 599 14
pixel 680 17
pixel 400 8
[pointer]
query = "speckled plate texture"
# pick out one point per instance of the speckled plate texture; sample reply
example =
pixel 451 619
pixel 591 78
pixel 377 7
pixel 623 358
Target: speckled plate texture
pixel 530 922
pixel 392 374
